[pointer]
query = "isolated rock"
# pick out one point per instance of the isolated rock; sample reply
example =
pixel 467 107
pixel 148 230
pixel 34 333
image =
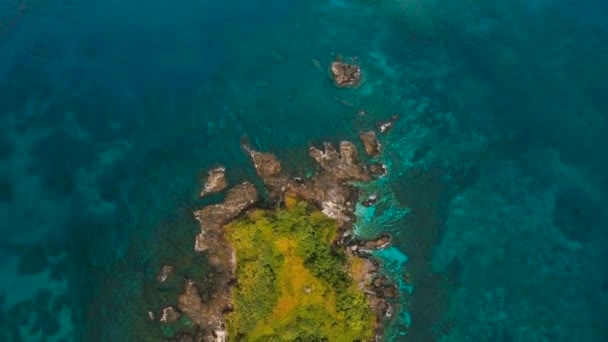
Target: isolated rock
pixel 371 143
pixel 385 126
pixel 164 274
pixel 215 182
pixel 345 74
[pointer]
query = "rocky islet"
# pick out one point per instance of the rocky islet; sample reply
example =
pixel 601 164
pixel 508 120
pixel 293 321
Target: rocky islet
pixel 331 189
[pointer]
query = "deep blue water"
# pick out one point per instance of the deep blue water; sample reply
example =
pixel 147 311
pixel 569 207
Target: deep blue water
pixel 496 192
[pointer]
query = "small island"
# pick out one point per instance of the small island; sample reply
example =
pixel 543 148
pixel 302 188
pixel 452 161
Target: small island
pixel 285 266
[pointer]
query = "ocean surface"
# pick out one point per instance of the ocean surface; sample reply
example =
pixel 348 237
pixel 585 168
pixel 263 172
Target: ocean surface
pixel 496 194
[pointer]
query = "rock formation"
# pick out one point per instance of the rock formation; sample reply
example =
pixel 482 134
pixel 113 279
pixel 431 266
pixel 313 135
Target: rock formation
pixel 331 189
pixel 209 314
pixel 345 74
pixel 371 143
pixel 215 182
pixel 385 126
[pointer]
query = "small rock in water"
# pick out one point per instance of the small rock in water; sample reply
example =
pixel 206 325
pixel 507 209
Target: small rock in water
pixel 165 272
pixel 382 241
pixel 385 126
pixel 215 182
pixel 377 169
pixel 371 200
pixel 345 74
pixel 371 143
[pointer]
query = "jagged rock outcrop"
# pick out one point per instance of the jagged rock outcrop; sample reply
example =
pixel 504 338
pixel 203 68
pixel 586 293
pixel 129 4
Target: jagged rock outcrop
pixel 371 143
pixel 215 182
pixel 209 314
pixel 385 126
pixel 327 189
pixel 345 74
pixel 213 217
pixel 165 273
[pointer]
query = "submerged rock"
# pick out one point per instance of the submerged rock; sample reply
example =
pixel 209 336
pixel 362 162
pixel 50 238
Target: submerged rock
pixel 371 143
pixel 385 126
pixel 215 182
pixel 164 274
pixel 169 315
pixel 345 74
pixel 371 200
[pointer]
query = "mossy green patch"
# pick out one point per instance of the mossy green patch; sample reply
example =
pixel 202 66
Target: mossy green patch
pixel 292 284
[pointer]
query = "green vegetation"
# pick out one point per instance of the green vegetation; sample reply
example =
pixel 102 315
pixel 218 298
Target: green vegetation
pixel 292 284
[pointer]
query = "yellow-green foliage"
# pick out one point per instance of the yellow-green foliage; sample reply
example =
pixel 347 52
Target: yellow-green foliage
pixel 291 283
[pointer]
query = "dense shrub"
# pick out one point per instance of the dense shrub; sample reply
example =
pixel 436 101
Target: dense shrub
pixel 291 283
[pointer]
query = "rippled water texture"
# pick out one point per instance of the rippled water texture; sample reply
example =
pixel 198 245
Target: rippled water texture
pixel 496 193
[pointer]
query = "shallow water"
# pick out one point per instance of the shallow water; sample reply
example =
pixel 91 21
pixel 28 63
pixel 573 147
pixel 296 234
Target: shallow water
pixel 496 191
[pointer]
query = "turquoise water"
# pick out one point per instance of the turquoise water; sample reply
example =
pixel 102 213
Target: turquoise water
pixel 496 188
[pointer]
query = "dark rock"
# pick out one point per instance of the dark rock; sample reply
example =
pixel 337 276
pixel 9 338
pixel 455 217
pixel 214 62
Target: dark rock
pixel 377 169
pixel 215 182
pixel 382 241
pixel 385 126
pixel 371 200
pixel 371 143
